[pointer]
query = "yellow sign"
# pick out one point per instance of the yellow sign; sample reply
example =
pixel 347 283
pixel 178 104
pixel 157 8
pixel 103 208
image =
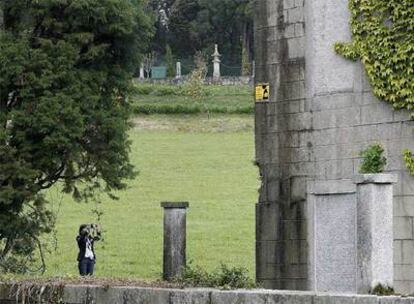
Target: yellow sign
pixel 262 92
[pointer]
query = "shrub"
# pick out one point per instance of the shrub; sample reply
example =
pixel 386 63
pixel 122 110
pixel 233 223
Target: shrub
pixel 166 109
pixel 169 61
pixel 382 290
pixel 157 90
pixel 223 277
pixel 195 86
pixel 373 160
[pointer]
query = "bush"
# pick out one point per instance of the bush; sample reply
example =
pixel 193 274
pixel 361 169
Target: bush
pixel 189 109
pixel 195 87
pixel 373 160
pixel 166 109
pixel 169 61
pixel 223 277
pixel 157 90
pixel 382 290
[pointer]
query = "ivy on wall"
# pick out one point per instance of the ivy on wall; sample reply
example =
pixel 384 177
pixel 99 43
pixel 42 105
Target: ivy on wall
pixel 383 39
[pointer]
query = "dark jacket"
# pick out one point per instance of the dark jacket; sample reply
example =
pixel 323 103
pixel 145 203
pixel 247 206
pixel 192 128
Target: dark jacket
pixel 81 239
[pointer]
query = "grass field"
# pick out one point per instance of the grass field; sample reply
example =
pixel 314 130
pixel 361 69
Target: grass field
pixel 206 160
pixel 169 99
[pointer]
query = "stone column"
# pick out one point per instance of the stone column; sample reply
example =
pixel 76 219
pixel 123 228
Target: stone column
pixel 178 70
pixel 331 222
pixel 216 64
pixel 174 239
pixel 374 231
pixel 141 71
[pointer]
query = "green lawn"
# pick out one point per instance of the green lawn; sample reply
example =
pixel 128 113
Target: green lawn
pixel 206 161
pixel 169 99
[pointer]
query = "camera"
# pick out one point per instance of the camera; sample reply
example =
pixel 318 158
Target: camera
pixel 93 230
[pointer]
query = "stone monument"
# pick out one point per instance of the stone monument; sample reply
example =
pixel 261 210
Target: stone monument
pixel 320 114
pixel 175 223
pixel 349 234
pixel 141 71
pixel 178 70
pixel 216 64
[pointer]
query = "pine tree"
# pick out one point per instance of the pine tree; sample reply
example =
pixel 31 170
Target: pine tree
pixel 169 61
pixel 65 70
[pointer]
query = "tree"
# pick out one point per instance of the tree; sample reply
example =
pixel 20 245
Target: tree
pixel 183 35
pixel 65 70
pixel 196 25
pixel 161 10
pixel 148 62
pixel 169 61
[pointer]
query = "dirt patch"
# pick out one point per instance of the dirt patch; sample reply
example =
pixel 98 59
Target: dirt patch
pixel 105 282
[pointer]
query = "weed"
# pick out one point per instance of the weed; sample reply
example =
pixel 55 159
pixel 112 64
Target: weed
pixel 373 160
pixel 382 290
pixel 223 277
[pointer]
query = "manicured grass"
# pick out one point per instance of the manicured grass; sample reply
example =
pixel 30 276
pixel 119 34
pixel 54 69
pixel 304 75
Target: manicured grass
pixel 211 167
pixel 169 99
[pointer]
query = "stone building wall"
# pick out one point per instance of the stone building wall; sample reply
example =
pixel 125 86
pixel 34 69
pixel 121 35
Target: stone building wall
pixel 321 114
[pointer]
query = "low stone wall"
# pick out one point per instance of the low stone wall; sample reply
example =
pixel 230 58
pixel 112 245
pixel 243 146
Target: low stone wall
pixel 84 294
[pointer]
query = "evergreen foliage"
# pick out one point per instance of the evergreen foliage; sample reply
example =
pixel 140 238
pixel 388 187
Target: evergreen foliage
pixel 189 26
pixel 169 61
pixel 65 70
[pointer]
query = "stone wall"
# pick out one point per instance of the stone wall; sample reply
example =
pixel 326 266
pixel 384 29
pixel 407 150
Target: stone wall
pixel 76 294
pixel 321 114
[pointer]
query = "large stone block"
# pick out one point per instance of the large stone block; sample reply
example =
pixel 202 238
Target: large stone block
pixel 403 228
pixel 376 113
pixel 175 221
pixel 334 299
pixel 238 297
pixel 407 251
pixel 398 252
pixel 336 118
pixel 332 250
pixel 374 231
pixel 331 102
pixel 327 23
pixel 191 296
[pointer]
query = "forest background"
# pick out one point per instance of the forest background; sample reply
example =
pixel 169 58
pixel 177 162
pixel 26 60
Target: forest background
pixel 186 27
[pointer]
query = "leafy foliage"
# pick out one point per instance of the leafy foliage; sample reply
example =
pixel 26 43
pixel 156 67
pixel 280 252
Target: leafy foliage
pixel 383 39
pixel 169 61
pixel 409 160
pixel 65 69
pixel 382 290
pixel 195 87
pixel 223 277
pixel 189 26
pixel 373 160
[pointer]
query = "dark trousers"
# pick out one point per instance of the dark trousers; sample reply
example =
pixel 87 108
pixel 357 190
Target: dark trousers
pixel 86 267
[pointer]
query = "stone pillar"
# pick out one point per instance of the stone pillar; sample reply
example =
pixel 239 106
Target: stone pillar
pixel 141 71
pixel 178 70
pixel 216 64
pixel 174 239
pixel 375 231
pixel 331 221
